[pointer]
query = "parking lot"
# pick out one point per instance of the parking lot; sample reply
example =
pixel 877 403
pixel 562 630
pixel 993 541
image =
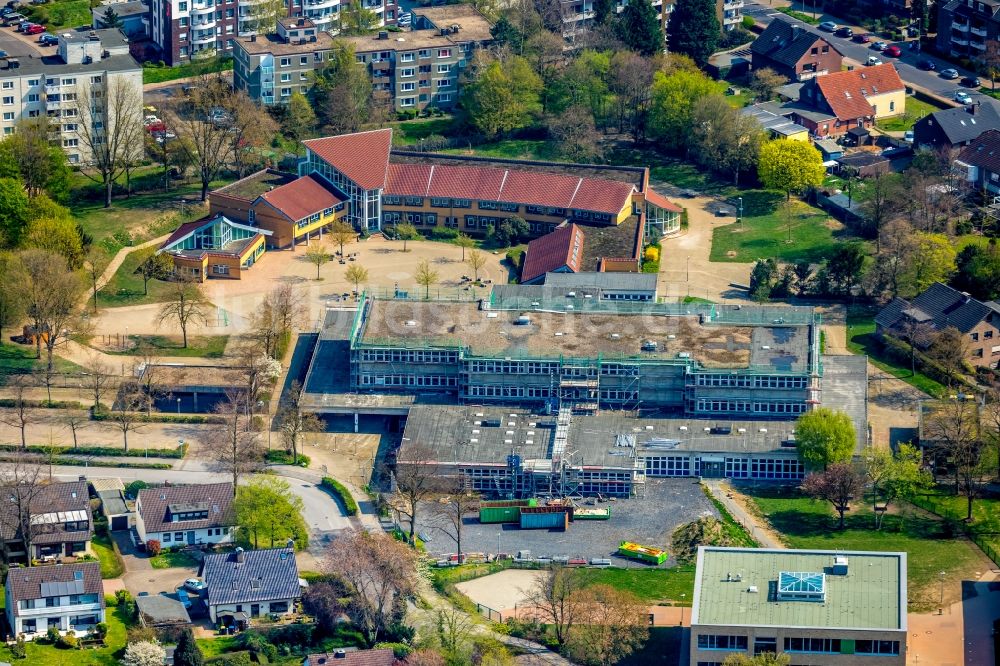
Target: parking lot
pixel 648 520
pixel 21 46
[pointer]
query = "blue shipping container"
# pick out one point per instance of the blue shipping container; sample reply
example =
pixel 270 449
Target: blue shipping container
pixel 544 521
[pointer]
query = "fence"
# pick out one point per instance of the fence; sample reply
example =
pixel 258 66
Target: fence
pixel 985 541
pixel 489 613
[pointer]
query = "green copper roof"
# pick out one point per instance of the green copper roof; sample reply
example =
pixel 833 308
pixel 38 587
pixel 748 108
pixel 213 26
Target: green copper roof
pixel 737 586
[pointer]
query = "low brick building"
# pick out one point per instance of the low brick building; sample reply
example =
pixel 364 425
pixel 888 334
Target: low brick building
pixel 794 52
pixel 854 99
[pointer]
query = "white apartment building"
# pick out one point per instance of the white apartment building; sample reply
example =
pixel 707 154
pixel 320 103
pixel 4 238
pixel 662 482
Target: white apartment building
pixel 577 15
pixel 31 87
pixel 68 597
pixel 186 29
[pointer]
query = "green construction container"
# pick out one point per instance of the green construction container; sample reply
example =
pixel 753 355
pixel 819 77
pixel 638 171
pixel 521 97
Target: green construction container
pixel 503 511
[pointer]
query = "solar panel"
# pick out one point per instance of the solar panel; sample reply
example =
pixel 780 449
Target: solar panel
pixel 62 588
pixel 801 586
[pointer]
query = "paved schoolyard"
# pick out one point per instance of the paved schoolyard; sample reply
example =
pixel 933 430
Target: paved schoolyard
pixel 502 591
pixel 648 520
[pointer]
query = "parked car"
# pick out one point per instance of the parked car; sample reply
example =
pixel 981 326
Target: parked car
pixel 949 73
pixel 893 51
pixel 150 119
pixel 23 25
pixel 962 97
pixel 844 32
pixel 182 596
pixel 154 127
pixel 970 82
pixel 908 136
pixel 219 116
pixel 3 54
pixel 872 61
pixel 14 19
pixel 194 585
pixel 35 30
pixel 48 40
pixel 829 26
pixel 927 65
pixel 862 38
pixel 6 10
pixel 879 46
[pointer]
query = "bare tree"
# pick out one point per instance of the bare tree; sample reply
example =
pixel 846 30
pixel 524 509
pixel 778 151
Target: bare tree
pixel 94 266
pixel 99 376
pixel 21 483
pixel 614 624
pixel 557 601
pixel 293 423
pixel 251 130
pixel 953 426
pixel 452 509
pixel 233 444
pixel 991 420
pixel 126 412
pixel 20 415
pixel 203 127
pixel 281 311
pixel 76 421
pixel 109 127
pixel 13 296
pixel 382 574
pixel 186 306
pixel 950 348
pixel 839 484
pixel 417 480
pixel 259 372
pixel 53 293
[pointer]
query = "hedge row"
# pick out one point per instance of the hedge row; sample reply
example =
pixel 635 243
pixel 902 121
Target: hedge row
pixel 102 451
pixel 84 462
pixel 44 404
pixel 342 493
pixel 157 417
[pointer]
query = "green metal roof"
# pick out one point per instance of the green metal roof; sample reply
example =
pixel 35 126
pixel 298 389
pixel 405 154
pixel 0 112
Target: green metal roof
pixel 871 596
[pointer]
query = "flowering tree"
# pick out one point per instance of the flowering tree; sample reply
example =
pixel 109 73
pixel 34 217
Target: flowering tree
pixel 143 653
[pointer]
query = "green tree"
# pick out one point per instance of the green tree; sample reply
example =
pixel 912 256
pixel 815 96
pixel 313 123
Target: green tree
pixel 505 34
pixel 845 266
pixel 342 97
pixel 790 166
pixel 977 270
pixel 268 513
pixel 27 155
pixel 466 242
pixel 187 652
pixel 722 138
pixel 14 211
pixel 763 659
pixel 356 20
pixel 603 10
pixel 502 97
pixel 13 297
pixel 406 232
pixel 824 437
pixel 153 265
pixel 639 28
pixel 426 277
pixel 317 254
pixel 111 19
pixel 762 279
pixel 356 274
pixel 694 29
pixel 673 97
pixel 932 260
pixel 894 477
pixel 300 119
pixel 57 235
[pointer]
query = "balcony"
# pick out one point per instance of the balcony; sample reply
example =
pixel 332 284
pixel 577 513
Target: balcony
pixel 960 27
pixel 732 4
pixel 203 25
pixel 979 32
pixel 75 609
pixel 979 46
pixel 959 42
pixel 203 38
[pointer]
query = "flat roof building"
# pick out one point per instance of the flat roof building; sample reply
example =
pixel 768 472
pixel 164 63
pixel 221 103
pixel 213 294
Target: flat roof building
pixel 821 607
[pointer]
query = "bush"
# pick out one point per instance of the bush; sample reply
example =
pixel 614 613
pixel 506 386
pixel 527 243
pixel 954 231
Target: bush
pixel 68 642
pixel 101 629
pixel 111 601
pixel 100 451
pixel 52 634
pixel 651 254
pixel 153 547
pixel 282 457
pixel 399 650
pixel 444 233
pixel 123 596
pixel 231 659
pixel 341 492
pixel 748 22
pixel 132 489
pixel 19 650
pixel 515 256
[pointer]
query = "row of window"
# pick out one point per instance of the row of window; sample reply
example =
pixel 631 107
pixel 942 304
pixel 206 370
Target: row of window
pixel 746 406
pixel 737 468
pixel 507 207
pixel 508 392
pixel 668 466
pixel 615 395
pixel 178 537
pixel 751 381
pixel 409 356
pixel 412 101
pixel 514 367
pixel 408 380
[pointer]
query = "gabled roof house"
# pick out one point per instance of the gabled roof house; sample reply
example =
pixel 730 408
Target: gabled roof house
pixel 194 515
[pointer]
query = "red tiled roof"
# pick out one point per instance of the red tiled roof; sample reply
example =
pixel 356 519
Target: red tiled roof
pixel 302 197
pixel 562 247
pixel 660 201
pixel 846 92
pixel 492 184
pixel 363 157
pixel 351 657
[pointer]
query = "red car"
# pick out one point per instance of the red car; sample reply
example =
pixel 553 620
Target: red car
pixel 153 128
pixel 893 51
pixel 862 38
pixel 35 30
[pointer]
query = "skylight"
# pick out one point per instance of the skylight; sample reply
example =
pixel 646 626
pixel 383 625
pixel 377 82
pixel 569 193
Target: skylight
pixel 801 586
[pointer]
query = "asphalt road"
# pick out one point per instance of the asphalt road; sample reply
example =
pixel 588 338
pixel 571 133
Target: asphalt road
pixel 906 65
pixel 321 513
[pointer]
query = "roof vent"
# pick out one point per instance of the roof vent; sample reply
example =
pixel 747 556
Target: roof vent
pixel 523 320
pixel 752 589
pixel 839 565
pixel 411 323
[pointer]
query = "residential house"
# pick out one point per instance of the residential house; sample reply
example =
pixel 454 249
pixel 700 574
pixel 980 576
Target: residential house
pixel 856 98
pixel 269 68
pixel 214 247
pixel 133 17
pixel 69 597
pixel 194 515
pixel 794 51
pixel 965 27
pixel 353 657
pixel 246 584
pixel 939 307
pixel 85 63
pixel 423 67
pixel 979 162
pixel 773 118
pixel 61 524
pixel 819 607
pixel 953 129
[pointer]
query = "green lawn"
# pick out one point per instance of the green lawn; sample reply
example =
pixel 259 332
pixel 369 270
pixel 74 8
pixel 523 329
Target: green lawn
pixel 205 346
pixel 737 101
pixel 410 132
pixel 929 543
pixel 111 567
pixel 125 286
pixel 61 14
pixel 167 560
pixel 805 18
pixel 915 110
pixel 152 73
pixel 764 232
pixel 41 654
pixel 985 514
pixel 520 149
pixel 651 584
pixel 861 340
pixel 20 359
pixel 687 176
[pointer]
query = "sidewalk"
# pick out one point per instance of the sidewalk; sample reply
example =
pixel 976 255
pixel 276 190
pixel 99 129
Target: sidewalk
pixel 721 492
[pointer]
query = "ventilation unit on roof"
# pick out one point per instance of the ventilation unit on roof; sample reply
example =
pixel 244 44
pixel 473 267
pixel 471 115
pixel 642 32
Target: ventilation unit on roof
pixel 491 423
pixel 839 565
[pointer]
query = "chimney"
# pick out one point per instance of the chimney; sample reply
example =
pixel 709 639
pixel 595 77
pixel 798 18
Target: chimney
pixel 383 34
pixel 290 543
pixel 239 555
pixel 340 654
pixel 253 38
pixel 973 108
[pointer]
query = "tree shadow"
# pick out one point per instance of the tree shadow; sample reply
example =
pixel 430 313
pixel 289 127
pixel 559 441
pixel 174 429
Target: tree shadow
pixel 757 203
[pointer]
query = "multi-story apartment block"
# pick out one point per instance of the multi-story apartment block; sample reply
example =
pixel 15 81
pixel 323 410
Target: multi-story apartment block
pixel 269 68
pixel 965 26
pixel 578 15
pixel 421 68
pixel 86 62
pixel 819 607
pixel 68 598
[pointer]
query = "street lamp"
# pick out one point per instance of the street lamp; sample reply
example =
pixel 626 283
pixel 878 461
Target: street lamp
pixel 941 604
pixel 739 216
pixel 178 405
pixel 682 608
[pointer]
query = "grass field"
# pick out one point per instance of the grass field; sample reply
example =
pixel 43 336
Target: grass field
pixel 410 132
pixel 111 567
pixel 152 73
pixel 42 654
pixel 206 346
pixel 653 585
pixel 764 231
pixel 519 149
pixel 125 287
pixel 915 110
pixel 61 14
pixel 169 560
pixel 985 514
pixel 861 340
pixel 928 542
pixel 20 359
